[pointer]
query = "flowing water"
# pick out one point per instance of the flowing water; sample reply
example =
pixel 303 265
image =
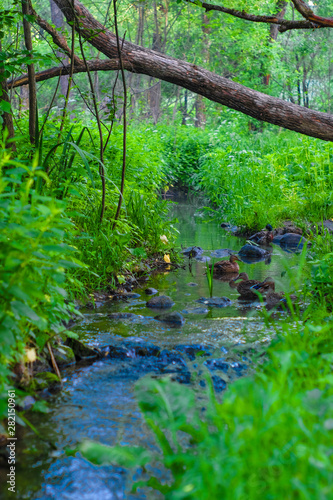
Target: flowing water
pixel 97 401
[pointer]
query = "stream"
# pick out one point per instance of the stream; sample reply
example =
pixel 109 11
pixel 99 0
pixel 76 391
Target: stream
pixel 97 400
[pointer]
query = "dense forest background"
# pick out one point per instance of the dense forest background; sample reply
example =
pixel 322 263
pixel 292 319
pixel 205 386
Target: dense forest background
pixel 295 65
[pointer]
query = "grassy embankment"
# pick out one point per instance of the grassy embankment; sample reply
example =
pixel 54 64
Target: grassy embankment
pixel 53 245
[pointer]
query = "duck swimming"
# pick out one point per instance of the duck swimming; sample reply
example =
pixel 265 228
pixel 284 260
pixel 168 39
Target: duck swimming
pixel 227 266
pixel 272 297
pixel 246 287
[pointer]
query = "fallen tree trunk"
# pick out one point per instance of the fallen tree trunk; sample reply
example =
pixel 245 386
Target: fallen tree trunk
pixel 198 80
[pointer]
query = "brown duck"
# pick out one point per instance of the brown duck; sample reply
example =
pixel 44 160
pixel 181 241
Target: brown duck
pixel 245 287
pixel 272 297
pixel 227 266
pixel 263 237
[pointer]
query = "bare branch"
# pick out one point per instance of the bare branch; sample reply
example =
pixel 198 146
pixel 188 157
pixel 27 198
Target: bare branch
pixel 312 21
pixel 96 65
pixel 57 37
pixel 303 8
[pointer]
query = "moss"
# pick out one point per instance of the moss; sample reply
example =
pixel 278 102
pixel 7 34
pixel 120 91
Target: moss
pixel 44 380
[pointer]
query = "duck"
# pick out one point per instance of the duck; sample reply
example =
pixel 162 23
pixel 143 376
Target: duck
pixel 266 286
pixel 273 298
pixel 263 237
pixel 245 287
pixel 227 266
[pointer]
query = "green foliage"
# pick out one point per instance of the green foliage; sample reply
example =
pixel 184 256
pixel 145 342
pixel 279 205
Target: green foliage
pixel 184 148
pixel 253 179
pixel 34 259
pixel 209 276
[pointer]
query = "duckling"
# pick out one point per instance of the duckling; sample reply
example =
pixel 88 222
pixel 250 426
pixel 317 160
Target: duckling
pixel 227 266
pixel 245 287
pixel 263 237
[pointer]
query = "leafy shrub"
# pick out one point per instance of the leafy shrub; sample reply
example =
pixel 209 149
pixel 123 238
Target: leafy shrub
pixel 253 179
pixel 33 263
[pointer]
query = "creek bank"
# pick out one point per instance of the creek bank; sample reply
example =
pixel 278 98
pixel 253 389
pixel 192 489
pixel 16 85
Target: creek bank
pixel 39 380
pixel 288 226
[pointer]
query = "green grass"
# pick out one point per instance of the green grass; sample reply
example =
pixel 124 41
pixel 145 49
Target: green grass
pixel 253 179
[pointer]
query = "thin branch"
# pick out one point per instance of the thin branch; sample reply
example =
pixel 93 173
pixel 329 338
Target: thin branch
pixel 53 361
pixel 123 170
pixel 284 24
pixel 57 38
pixel 96 65
pixel 69 83
pixel 99 125
pixel 308 14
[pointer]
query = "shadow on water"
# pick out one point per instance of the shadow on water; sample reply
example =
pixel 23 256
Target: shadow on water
pixel 97 401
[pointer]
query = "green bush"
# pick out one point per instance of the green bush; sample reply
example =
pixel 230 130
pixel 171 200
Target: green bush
pixel 253 179
pixel 34 259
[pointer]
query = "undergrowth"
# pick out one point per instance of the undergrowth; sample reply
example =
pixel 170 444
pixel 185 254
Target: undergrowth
pixel 253 179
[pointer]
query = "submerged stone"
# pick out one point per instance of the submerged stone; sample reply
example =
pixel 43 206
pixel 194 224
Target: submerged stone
pixel 252 251
pixel 215 301
pixel 174 317
pixel 196 310
pixel 222 252
pixel 160 302
pixel 183 378
pixel 142 349
pixel 124 315
pixel 130 295
pixel 203 258
pixel 192 284
pixel 292 240
pixel 217 364
pixel 218 383
pixel 238 367
pixel 193 350
pixel 151 291
pixel 193 251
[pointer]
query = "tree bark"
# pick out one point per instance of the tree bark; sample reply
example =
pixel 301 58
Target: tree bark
pixel 31 74
pixel 57 19
pixel 7 117
pixel 154 94
pixel 214 87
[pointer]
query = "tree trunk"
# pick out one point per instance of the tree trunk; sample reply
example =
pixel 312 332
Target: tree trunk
pixel 31 74
pixel 214 87
pixel 57 19
pixel 7 117
pixel 200 108
pixel 154 94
